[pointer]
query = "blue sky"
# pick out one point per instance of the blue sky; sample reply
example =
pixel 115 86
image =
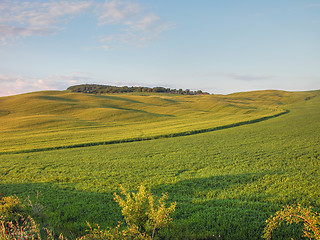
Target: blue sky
pixel 219 46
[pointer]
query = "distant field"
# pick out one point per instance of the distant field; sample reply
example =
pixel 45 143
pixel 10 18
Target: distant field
pixel 225 182
pixel 52 119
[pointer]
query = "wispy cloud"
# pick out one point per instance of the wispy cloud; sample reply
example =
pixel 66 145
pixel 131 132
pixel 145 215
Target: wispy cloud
pixel 22 19
pixel 251 77
pixel 12 32
pixel 11 85
pixel 40 13
pixel 134 24
pixel 117 11
pixel 137 26
pixel 243 77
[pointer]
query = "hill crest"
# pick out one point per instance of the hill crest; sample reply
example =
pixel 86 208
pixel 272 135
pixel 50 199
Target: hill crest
pixel 52 119
pixel 101 89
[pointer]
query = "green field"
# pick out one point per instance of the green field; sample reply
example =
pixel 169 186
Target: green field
pixel 54 119
pixel 227 181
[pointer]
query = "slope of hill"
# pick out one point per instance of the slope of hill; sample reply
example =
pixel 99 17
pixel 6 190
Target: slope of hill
pixel 225 182
pixel 54 119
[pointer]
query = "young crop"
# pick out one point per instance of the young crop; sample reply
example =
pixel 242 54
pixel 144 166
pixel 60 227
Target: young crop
pixel 222 180
pixel 57 120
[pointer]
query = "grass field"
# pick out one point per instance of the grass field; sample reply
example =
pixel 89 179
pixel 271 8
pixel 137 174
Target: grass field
pixel 62 119
pixel 225 182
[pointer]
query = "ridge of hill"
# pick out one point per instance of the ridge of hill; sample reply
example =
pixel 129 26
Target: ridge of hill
pixel 56 119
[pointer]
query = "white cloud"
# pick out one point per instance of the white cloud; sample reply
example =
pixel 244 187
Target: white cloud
pixel 22 19
pixel 11 85
pixel 133 24
pixel 106 47
pixel 40 13
pixel 144 23
pixel 117 11
pixel 137 26
pixel 12 32
pixel 4 78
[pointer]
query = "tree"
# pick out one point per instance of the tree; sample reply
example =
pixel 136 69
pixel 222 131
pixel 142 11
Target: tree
pixel 199 92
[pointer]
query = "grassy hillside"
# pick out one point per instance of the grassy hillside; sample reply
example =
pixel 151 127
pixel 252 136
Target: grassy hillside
pixel 53 119
pixel 225 182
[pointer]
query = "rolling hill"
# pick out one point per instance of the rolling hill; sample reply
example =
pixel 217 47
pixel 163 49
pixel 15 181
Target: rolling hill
pixel 225 182
pixel 55 119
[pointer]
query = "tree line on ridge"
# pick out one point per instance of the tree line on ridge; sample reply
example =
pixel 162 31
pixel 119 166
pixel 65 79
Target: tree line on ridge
pixel 100 89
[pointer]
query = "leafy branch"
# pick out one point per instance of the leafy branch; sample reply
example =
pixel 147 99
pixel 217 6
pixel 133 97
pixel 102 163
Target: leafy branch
pixel 295 214
pixel 143 211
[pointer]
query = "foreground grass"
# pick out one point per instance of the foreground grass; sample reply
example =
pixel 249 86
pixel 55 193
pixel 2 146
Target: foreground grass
pixel 226 182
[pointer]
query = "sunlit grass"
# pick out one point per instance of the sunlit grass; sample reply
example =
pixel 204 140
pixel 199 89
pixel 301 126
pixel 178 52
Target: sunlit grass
pixel 226 182
pixel 54 119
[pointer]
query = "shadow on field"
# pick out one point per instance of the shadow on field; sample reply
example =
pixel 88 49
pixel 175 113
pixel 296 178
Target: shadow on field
pixel 132 100
pixel 118 99
pixel 68 210
pixel 202 210
pixel 205 207
pixel 59 99
pixel 137 111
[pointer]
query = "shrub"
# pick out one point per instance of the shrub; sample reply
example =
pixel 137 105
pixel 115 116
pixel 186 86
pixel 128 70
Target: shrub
pixel 129 233
pixel 143 215
pixel 143 212
pixel 11 209
pixel 25 229
pixel 16 222
pixel 295 214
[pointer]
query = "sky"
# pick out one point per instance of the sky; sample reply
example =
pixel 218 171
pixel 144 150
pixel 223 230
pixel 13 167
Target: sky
pixel 218 46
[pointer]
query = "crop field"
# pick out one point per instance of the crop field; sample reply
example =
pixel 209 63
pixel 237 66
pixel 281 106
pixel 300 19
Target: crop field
pixel 53 119
pixel 225 182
